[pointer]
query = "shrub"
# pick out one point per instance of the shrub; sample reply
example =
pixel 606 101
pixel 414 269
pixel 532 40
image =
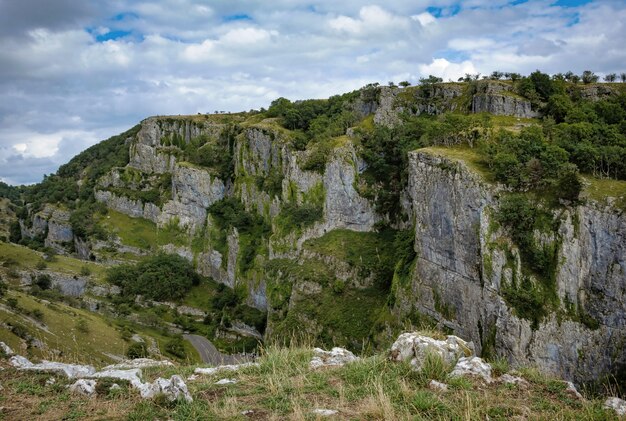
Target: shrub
pixel 176 347
pixel 85 271
pixel 137 350
pixel 43 281
pixel 158 277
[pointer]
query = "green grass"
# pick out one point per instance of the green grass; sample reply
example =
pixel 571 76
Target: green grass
pixel 284 387
pixel 28 258
pixel 134 232
pixel 469 156
pixel 599 189
pixel 75 344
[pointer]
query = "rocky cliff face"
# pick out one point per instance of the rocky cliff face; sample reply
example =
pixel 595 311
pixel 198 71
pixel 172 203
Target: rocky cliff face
pixel 466 263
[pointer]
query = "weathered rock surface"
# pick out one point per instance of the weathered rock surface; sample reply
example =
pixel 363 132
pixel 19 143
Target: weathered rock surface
pixel 616 404
pixel 139 363
pixel 229 367
pixel 69 370
pixel 464 264
pixel 472 366
pixel 437 386
pixel 416 348
pixel 336 357
pixel 84 387
pixel 6 349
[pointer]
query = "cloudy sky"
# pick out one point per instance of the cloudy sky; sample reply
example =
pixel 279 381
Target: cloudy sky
pixel 73 72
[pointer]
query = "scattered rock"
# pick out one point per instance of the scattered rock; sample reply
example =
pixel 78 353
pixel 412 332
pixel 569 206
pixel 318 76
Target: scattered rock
pixel 84 387
pixel 472 366
pixel 139 363
pixel 226 381
pixel 616 404
pixel 51 381
pixel 192 378
pixel 572 391
pixel 137 338
pixel 325 412
pixel 247 412
pixel 70 370
pixel 115 386
pixel 515 380
pixel 6 349
pixel 437 386
pixel 417 347
pixel 133 376
pixel 229 367
pixel 173 389
pixel 333 358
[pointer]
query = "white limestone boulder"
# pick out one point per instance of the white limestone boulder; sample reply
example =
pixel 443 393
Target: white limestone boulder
pixel 336 357
pixel 616 404
pixel 84 387
pixel 472 366
pixel 415 348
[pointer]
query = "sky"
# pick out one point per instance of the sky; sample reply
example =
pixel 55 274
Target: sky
pixel 74 72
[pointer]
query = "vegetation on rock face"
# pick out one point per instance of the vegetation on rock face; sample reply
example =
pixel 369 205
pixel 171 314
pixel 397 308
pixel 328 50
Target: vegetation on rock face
pixel 158 277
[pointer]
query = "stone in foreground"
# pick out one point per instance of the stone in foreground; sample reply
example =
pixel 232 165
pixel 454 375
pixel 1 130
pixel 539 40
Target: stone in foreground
pixel 415 347
pixel 72 371
pixel 616 404
pixel 336 357
pixel 84 387
pixel 212 370
pixel 472 366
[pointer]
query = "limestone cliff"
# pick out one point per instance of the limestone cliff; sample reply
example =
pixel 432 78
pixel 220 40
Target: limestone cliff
pixel 466 265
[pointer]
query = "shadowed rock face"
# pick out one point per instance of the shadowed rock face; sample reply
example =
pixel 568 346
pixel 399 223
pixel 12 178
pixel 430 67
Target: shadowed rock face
pixel 461 273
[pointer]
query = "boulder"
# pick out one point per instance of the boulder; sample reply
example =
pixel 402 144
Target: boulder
pixel 84 387
pixel 472 366
pixel 416 347
pixel 514 380
pixel 336 357
pixel 322 412
pixel 437 386
pixel 173 389
pixel 616 404
pixel 6 349
pixel 139 363
pixel 228 367
pixel 225 382
pixel 70 370
pixel 572 391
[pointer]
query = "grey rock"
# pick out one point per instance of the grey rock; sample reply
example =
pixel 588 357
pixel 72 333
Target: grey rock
pixel 84 387
pixel 437 386
pixel 474 367
pixel 336 357
pixel 616 404
pixel 414 347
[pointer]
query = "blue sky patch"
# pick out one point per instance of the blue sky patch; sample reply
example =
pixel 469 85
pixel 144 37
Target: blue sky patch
pixel 237 17
pixel 571 3
pixel 111 35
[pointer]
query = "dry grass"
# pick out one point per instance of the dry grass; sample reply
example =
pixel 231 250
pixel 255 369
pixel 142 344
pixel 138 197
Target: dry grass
pixel 284 388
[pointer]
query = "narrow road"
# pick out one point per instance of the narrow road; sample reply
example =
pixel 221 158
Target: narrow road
pixel 210 354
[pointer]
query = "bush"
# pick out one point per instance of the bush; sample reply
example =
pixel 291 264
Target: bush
pixel 85 271
pixel 43 281
pixel 176 347
pixel 158 277
pixel 137 350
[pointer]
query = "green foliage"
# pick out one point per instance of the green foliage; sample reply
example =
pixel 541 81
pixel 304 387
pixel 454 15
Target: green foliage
pixel 215 153
pixel 137 350
pixel 176 347
pixel 43 281
pixel 158 277
pixel 299 216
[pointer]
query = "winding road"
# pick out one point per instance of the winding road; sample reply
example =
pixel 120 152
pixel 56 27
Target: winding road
pixel 210 354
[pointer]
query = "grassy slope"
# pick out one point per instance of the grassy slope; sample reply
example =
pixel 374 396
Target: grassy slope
pixel 22 257
pixel 283 387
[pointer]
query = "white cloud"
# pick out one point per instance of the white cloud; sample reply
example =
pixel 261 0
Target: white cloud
pixel 61 89
pixel 447 70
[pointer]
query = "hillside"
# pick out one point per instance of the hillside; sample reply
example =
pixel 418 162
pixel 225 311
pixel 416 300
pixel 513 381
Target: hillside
pixel 488 209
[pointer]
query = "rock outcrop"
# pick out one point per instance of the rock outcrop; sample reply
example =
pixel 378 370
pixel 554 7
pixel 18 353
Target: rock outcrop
pixel 466 263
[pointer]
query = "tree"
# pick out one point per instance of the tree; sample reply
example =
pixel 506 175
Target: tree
pixel 430 80
pixel 575 79
pixel 622 77
pixel 569 184
pixel 404 83
pixel 496 75
pixel 137 350
pixel 610 77
pixel 542 83
pixel 589 77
